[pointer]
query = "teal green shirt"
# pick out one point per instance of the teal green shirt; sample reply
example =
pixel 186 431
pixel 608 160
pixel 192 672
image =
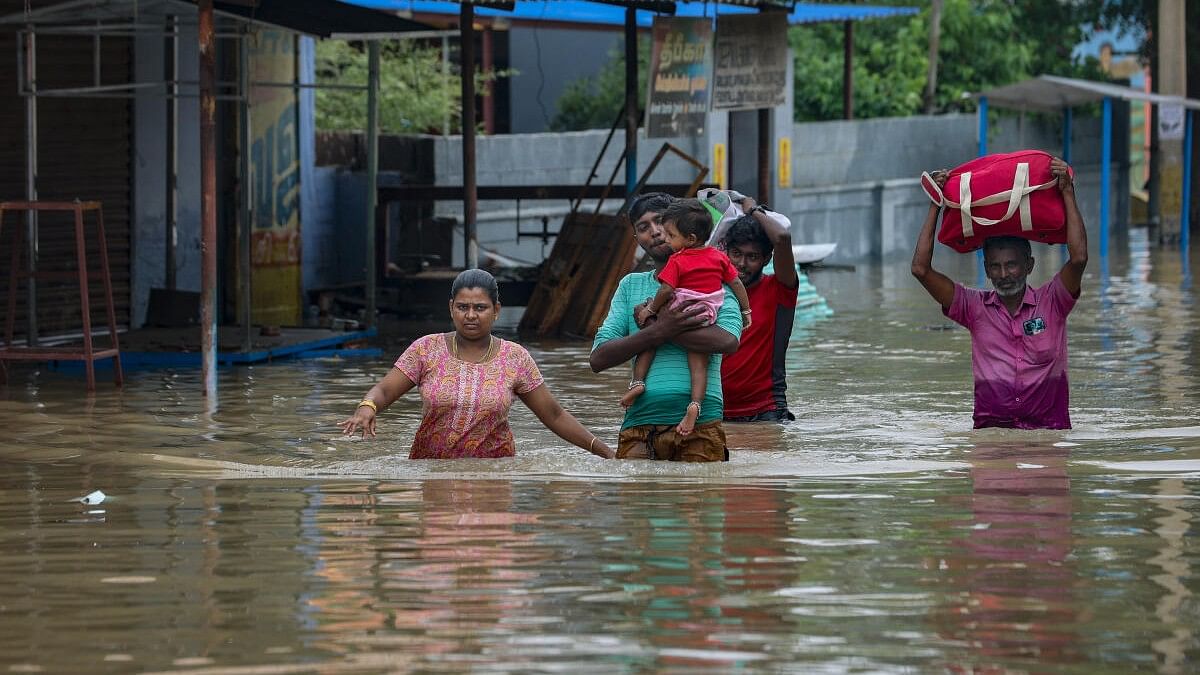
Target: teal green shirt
pixel 668 385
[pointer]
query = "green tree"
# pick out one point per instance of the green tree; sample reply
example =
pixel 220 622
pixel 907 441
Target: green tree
pixel 984 43
pixel 414 95
pixel 593 102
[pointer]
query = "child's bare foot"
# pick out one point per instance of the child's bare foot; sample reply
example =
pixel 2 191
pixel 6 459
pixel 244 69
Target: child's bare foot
pixel 636 388
pixel 688 423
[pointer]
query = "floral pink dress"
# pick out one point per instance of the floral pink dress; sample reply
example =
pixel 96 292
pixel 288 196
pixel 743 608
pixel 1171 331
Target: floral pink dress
pixel 465 412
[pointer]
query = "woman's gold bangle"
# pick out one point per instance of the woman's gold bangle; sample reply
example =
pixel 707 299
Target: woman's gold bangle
pixel 591 443
pixel 370 404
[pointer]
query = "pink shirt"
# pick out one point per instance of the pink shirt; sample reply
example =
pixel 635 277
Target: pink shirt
pixel 465 411
pixel 1020 362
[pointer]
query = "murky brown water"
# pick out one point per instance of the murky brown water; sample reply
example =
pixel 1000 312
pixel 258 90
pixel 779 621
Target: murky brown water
pixel 876 534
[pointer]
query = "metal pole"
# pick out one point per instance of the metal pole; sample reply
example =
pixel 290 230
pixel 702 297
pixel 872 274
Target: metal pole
pixel 631 116
pixel 208 203
pixel 983 143
pixel 372 171
pixel 1189 117
pixel 1066 156
pixel 31 170
pixel 983 125
pixel 1067 135
pixel 245 207
pixel 171 71
pixel 1105 170
pixel 466 26
pixel 96 52
pixel 848 70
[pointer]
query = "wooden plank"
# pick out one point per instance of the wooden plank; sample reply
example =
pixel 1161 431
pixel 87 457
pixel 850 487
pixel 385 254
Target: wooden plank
pixel 590 256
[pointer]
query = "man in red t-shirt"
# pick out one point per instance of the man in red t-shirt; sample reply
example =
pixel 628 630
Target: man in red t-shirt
pixel 753 378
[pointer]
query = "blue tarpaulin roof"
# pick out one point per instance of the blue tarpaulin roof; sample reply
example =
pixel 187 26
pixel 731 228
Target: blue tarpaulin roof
pixel 579 11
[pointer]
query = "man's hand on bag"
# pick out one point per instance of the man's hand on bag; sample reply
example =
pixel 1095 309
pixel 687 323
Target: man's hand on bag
pixel 1062 171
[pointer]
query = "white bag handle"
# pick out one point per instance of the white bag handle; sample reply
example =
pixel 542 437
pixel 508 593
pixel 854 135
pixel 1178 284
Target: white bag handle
pixel 1017 198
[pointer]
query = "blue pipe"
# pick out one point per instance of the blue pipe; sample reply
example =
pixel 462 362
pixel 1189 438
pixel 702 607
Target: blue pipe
pixel 1105 178
pixel 1066 135
pixel 983 125
pixel 1184 226
pixel 983 142
pixel 1066 156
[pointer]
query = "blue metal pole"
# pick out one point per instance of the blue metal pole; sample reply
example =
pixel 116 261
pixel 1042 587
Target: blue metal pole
pixel 1105 178
pixel 1066 156
pixel 1189 120
pixel 983 125
pixel 1066 135
pixel 983 142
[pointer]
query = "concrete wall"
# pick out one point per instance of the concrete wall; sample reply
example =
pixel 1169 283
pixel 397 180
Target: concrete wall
pixel 544 159
pixel 853 182
pixel 857 182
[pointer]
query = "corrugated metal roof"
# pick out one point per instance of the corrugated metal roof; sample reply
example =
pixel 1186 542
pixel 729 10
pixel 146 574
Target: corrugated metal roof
pixel 1053 93
pixel 319 18
pixel 580 11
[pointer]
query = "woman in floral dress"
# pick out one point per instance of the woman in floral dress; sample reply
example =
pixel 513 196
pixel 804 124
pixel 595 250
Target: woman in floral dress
pixel 467 379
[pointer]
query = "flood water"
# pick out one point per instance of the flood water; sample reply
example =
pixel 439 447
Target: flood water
pixel 876 534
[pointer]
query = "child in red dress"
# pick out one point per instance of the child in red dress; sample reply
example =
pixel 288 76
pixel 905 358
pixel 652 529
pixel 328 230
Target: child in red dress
pixel 693 274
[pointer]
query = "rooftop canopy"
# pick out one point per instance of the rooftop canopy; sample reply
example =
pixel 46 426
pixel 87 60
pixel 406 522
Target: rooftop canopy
pixel 318 18
pixel 613 14
pixel 1051 93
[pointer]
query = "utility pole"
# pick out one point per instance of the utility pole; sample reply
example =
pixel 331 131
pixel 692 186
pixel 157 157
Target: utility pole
pixel 935 41
pixel 1172 81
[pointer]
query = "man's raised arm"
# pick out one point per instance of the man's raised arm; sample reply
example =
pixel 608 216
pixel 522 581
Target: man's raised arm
pixel 1072 271
pixel 781 245
pixel 940 286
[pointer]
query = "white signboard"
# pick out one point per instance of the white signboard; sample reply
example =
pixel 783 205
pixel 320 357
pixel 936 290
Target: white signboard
pixel 750 62
pixel 1170 122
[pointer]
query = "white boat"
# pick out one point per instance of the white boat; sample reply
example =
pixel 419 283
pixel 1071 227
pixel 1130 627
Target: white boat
pixel 807 254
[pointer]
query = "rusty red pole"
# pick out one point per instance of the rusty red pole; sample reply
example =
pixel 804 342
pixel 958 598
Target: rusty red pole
pixel 208 203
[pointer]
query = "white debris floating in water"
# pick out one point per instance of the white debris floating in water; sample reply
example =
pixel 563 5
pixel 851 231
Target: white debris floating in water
pixel 92 498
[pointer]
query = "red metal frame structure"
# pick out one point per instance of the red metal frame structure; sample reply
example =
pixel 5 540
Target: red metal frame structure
pixel 87 353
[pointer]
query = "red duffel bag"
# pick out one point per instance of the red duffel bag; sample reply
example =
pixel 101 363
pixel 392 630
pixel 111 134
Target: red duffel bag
pixel 1013 194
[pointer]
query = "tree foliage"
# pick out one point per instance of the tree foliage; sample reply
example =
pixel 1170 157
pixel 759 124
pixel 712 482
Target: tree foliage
pixel 414 94
pixel 594 102
pixel 984 43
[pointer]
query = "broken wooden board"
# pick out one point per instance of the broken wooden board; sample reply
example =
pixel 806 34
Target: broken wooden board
pixel 590 256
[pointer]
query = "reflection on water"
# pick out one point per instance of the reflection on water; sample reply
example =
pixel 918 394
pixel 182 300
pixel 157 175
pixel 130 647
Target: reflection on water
pixel 1013 560
pixel 878 533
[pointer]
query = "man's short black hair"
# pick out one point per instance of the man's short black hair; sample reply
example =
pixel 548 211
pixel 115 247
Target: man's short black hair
pixel 747 230
pixel 1020 245
pixel 656 202
pixel 690 217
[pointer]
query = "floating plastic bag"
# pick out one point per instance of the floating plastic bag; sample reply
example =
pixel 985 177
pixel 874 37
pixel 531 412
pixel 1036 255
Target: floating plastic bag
pixel 91 498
